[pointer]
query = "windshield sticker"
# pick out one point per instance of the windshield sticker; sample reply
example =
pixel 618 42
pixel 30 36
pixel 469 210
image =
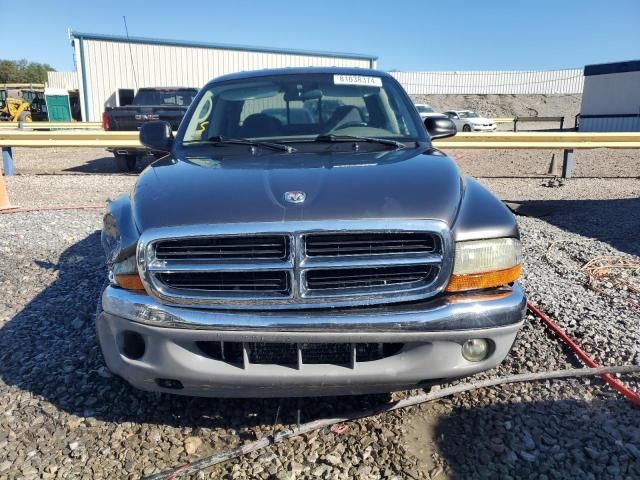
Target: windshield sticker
pixel 357 80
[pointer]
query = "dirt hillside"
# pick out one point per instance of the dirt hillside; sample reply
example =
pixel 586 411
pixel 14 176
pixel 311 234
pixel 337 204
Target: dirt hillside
pixel 507 105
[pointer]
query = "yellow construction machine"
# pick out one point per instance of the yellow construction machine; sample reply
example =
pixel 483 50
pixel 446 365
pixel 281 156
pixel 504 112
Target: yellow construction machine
pixel 22 102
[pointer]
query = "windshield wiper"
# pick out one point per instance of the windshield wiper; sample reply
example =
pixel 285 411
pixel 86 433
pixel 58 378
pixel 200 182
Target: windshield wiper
pixel 330 137
pixel 220 140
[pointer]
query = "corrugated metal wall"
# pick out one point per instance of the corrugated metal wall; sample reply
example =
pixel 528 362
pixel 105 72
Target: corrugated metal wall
pixel 64 80
pixel 610 124
pixel 611 94
pixel 110 65
pixel 492 82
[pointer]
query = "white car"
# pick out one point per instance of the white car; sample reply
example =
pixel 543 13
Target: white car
pixel 425 110
pixel 470 121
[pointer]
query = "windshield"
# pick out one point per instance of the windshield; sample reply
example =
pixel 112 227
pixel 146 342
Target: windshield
pixel 424 108
pixel 301 107
pixel 468 114
pixel 180 98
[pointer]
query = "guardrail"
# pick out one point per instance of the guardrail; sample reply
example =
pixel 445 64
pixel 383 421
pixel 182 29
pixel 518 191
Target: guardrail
pixel 567 141
pixel 503 120
pixel 541 140
pixel 516 120
pixel 50 125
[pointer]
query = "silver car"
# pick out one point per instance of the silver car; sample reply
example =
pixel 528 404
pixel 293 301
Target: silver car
pixel 470 121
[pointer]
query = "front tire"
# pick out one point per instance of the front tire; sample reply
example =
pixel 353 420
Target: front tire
pixel 466 128
pixel 25 117
pixel 125 163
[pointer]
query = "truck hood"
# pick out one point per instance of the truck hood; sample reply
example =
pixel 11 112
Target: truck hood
pixel 213 189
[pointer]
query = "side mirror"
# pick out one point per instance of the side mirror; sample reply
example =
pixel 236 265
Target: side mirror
pixel 157 135
pixel 440 127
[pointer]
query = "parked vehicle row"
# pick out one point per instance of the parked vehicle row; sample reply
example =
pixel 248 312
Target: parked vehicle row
pixel 465 120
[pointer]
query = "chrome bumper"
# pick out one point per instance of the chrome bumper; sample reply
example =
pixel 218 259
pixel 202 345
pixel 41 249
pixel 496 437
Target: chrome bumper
pixel 432 333
pixel 453 312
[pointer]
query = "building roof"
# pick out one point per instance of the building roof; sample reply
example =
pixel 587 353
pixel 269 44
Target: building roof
pixel 615 67
pixel 219 46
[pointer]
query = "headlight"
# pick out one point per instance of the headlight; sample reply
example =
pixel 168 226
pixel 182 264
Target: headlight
pixel 124 274
pixel 485 264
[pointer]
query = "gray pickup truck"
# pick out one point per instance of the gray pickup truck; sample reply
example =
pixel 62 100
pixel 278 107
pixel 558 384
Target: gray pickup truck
pixel 149 104
pixel 328 251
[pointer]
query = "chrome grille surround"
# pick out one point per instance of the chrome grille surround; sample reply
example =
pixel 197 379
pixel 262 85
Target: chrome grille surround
pixel 297 264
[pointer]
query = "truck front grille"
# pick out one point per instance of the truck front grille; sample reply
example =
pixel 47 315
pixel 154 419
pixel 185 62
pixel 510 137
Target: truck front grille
pixel 297 354
pixel 258 266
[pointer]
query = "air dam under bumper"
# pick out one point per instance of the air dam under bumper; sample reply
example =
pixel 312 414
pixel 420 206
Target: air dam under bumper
pixel 428 334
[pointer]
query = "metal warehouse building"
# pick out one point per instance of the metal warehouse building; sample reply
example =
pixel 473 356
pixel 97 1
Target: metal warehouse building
pixel 611 97
pixel 109 68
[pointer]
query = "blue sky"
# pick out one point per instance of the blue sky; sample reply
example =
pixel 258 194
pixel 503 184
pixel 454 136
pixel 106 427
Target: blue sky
pixel 405 34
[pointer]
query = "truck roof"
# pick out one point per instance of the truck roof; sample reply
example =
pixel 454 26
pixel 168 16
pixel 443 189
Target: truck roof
pixel 300 71
pixel 166 89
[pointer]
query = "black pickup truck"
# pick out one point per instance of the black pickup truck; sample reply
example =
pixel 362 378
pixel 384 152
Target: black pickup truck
pixel 168 104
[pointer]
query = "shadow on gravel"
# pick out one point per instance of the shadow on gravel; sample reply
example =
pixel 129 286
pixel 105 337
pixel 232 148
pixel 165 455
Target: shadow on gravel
pixel 50 349
pixel 107 165
pixel 551 439
pixel 616 222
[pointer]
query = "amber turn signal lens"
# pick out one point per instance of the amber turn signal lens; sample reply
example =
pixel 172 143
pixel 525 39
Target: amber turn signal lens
pixel 477 281
pixel 130 282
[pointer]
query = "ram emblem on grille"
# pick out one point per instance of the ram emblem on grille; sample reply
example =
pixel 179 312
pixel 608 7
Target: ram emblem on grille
pixel 295 197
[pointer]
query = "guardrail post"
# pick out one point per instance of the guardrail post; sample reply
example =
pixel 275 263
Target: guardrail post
pixel 567 163
pixel 561 123
pixel 7 162
pixel 515 124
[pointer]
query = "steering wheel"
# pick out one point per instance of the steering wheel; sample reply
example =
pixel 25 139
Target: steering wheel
pixel 351 124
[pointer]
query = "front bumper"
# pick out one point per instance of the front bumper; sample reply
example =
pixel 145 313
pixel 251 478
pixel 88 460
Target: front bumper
pixel 483 128
pixel 431 334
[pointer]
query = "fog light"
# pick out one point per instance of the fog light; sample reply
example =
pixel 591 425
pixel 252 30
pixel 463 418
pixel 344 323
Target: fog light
pixel 475 349
pixel 169 383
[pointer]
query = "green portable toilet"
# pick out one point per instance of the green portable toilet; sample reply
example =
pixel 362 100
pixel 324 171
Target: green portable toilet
pixel 58 106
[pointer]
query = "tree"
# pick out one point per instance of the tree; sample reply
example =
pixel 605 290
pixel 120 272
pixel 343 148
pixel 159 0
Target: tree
pixel 23 71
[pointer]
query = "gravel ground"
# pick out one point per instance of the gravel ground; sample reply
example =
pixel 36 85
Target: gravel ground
pixel 62 415
pixel 66 161
pixel 598 163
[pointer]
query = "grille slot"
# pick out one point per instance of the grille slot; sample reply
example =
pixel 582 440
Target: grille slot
pixel 224 248
pixel 370 243
pixel 320 353
pixel 369 277
pixel 272 353
pixel 229 282
pixel 296 355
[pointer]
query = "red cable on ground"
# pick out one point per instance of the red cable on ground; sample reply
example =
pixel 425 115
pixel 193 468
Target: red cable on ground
pixel 616 384
pixel 40 209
